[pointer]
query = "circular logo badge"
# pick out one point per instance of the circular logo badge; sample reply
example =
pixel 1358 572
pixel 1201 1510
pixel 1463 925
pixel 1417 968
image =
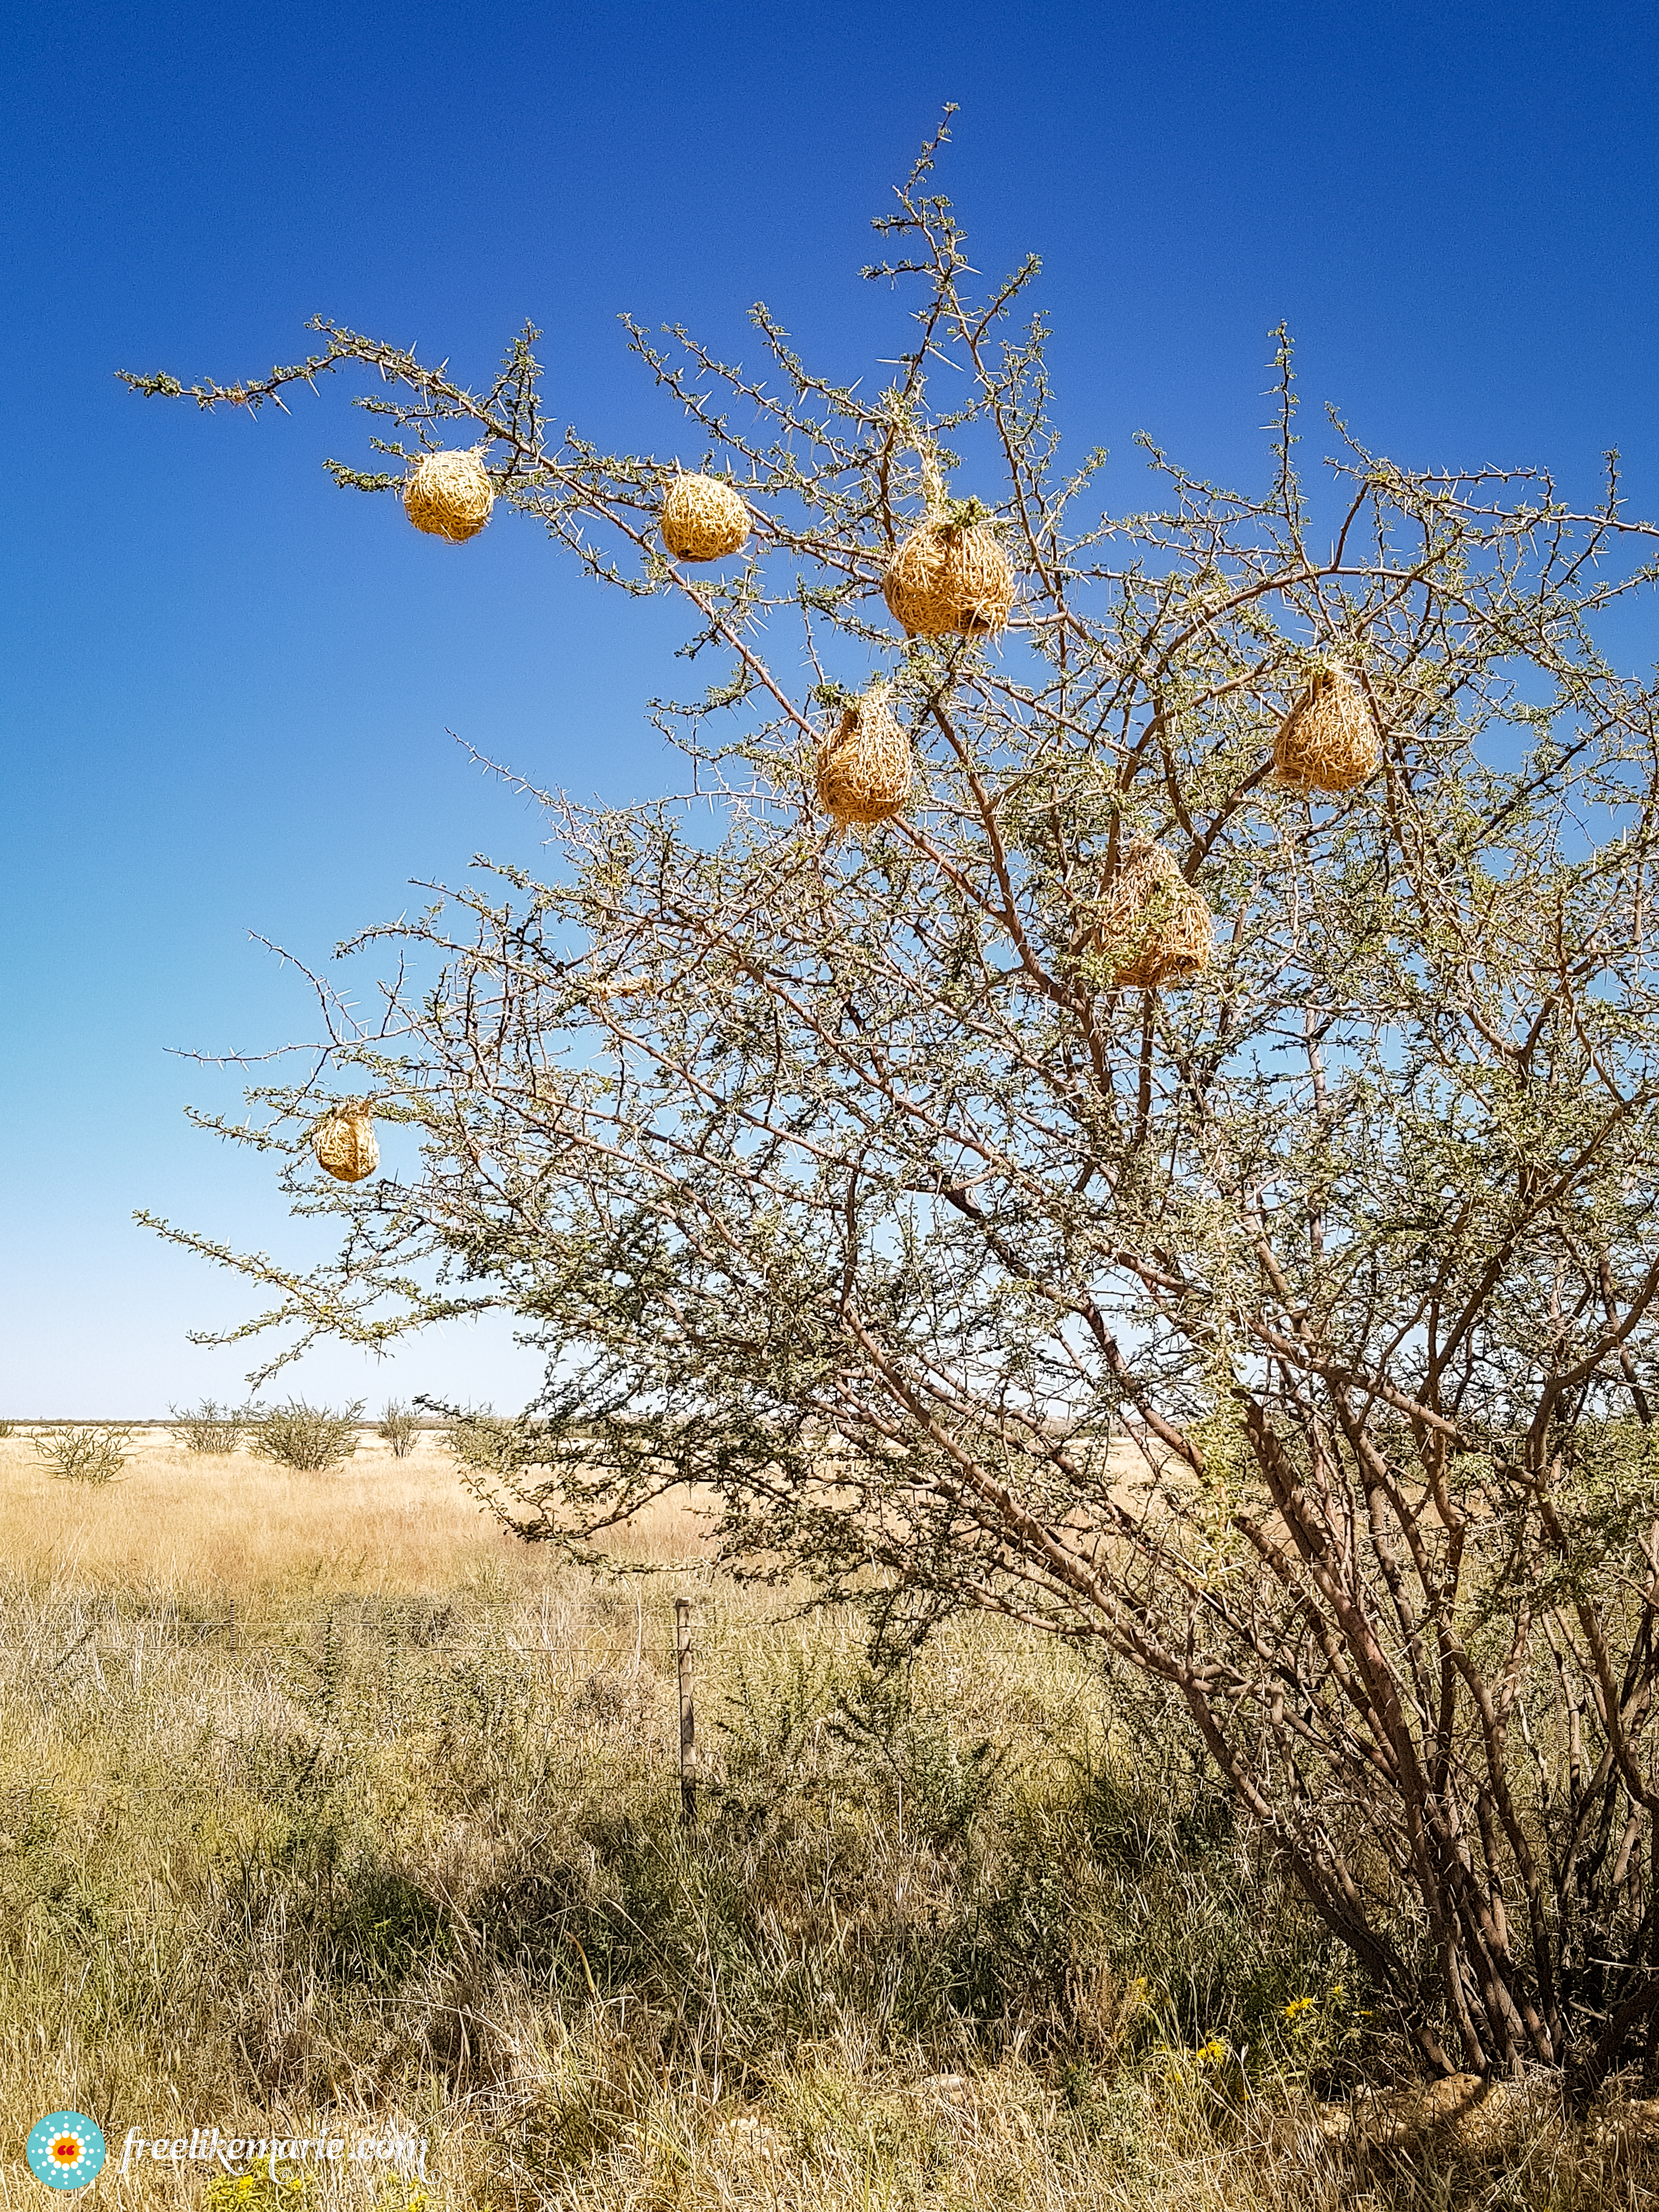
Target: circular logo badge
pixel 65 2150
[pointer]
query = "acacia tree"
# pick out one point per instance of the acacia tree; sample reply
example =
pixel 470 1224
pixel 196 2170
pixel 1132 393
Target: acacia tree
pixel 1288 1336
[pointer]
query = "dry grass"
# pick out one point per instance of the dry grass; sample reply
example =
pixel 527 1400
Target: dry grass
pixel 190 1525
pixel 408 1858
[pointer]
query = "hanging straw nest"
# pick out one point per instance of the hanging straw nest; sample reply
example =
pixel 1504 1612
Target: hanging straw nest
pixel 864 767
pixel 702 519
pixel 345 1144
pixel 449 494
pixel 950 576
pixel 1153 919
pixel 1328 740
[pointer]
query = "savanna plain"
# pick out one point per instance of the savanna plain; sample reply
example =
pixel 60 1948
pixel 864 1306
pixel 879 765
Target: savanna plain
pixel 326 1807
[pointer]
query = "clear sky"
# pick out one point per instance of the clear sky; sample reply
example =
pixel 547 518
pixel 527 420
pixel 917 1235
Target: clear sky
pixel 225 685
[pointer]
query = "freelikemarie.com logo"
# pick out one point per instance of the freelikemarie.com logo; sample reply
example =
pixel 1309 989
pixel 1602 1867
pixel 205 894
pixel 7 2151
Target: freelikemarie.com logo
pixel 407 2152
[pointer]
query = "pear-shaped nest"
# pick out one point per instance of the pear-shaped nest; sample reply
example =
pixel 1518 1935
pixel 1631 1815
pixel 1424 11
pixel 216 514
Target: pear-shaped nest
pixel 950 577
pixel 449 494
pixel 1152 924
pixel 702 519
pixel 345 1146
pixel 865 768
pixel 1328 740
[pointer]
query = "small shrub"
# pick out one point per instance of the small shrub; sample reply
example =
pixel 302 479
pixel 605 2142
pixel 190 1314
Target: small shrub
pixel 84 1454
pixel 309 1438
pixel 211 1428
pixel 8 1428
pixel 400 1427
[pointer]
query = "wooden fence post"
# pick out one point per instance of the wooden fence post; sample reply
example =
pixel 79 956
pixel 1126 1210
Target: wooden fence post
pixel 687 1711
pixel 232 1625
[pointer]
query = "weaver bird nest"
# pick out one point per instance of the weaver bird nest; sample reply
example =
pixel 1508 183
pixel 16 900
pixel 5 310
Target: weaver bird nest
pixel 950 576
pixel 1328 740
pixel 345 1146
pixel 702 519
pixel 1152 924
pixel 449 494
pixel 864 765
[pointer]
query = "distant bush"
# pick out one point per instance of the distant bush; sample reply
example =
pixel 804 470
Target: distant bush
pixel 211 1428
pixel 84 1454
pixel 400 1427
pixel 8 1428
pixel 306 1436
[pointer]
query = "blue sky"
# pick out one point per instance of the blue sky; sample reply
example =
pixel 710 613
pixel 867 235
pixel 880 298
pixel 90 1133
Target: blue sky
pixel 225 686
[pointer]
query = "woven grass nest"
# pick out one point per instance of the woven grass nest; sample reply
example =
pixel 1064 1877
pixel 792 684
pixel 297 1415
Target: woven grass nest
pixel 1153 921
pixel 702 519
pixel 1328 740
pixel 865 769
pixel 345 1146
pixel 449 494
pixel 950 577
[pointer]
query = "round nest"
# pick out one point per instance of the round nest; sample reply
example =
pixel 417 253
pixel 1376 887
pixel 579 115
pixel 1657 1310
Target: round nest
pixel 702 519
pixel 950 577
pixel 449 494
pixel 345 1145
pixel 1153 921
pixel 864 767
pixel 1328 740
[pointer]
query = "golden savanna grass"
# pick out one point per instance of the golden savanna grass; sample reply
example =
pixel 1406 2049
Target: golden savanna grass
pixel 193 1526
pixel 408 1857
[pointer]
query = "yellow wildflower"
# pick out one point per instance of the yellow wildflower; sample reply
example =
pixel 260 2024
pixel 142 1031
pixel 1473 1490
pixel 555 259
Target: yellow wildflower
pixel 1297 2006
